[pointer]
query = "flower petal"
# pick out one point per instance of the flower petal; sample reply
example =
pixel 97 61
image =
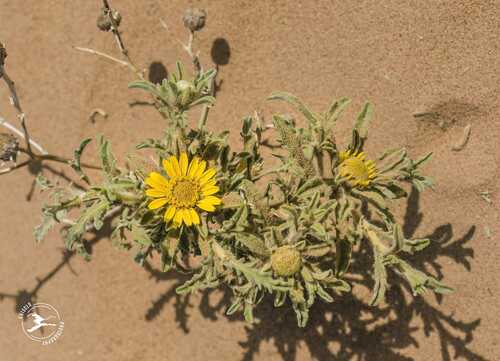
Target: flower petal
pixel 212 200
pixel 206 206
pixel 156 180
pixel 207 176
pixel 207 191
pixel 183 163
pixel 157 203
pixel 193 167
pixel 194 216
pixel 169 214
pixel 155 193
pixel 186 216
pixel 178 217
pixel 210 183
pixel 169 168
pixel 175 165
pixel 201 168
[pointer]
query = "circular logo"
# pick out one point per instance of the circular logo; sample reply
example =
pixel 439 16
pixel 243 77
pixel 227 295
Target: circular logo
pixel 41 322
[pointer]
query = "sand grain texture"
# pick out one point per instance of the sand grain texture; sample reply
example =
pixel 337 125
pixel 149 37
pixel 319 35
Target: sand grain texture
pixel 404 57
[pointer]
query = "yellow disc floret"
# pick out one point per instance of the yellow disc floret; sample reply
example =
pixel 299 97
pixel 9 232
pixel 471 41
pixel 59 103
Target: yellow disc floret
pixel 190 187
pixel 354 167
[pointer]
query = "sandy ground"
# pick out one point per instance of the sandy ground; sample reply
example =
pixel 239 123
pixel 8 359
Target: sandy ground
pixel 403 56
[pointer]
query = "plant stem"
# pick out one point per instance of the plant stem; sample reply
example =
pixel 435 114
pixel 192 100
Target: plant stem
pixel 104 55
pixel 12 128
pixel 15 102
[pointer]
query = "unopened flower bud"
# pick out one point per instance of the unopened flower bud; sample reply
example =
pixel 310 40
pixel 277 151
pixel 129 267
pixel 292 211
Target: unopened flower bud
pixel 104 22
pixel 9 146
pixel 186 91
pixel 194 19
pixel 286 261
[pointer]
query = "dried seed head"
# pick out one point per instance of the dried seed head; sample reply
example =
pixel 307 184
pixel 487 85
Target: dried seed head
pixel 286 261
pixel 194 19
pixel 9 146
pixel 3 54
pixel 104 22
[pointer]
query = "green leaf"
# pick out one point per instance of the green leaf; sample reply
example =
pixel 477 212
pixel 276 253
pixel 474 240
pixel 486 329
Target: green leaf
pixel 87 217
pixel 418 280
pixel 252 243
pixel 140 235
pixel 337 108
pixel 372 197
pixel 380 277
pixel 317 250
pixel 399 239
pixel 248 313
pixel 235 306
pixel 76 162
pixel 107 158
pixel 309 185
pixel 48 222
pixel 364 117
pixel 180 70
pixel 144 85
pixel 260 278
pixel 342 256
pixel 414 245
pixel 423 160
pixel 279 299
pixel 324 295
pixel 293 100
pixel 207 99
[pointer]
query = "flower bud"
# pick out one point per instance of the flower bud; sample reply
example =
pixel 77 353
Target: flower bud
pixel 9 146
pixel 186 92
pixel 286 261
pixel 194 19
pixel 104 22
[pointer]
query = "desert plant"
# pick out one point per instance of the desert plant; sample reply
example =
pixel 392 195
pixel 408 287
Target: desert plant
pixel 229 219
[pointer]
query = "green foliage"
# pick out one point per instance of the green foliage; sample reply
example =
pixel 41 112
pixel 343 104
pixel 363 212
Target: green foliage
pixel 302 214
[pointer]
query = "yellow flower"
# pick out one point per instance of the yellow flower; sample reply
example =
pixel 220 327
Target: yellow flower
pixel 189 186
pixel 356 169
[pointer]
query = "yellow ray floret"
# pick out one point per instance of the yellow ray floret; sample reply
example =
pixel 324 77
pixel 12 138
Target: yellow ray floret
pixel 189 188
pixel 354 167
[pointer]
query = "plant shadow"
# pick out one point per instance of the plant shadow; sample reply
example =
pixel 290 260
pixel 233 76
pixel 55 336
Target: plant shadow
pixel 348 329
pixel 24 296
pixel 351 329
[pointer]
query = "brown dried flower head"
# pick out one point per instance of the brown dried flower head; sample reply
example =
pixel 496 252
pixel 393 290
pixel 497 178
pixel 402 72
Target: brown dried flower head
pixel 194 19
pixel 3 55
pixel 9 146
pixel 104 22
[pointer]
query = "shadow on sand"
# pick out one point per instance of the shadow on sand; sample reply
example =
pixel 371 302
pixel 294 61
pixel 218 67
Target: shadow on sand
pixel 348 329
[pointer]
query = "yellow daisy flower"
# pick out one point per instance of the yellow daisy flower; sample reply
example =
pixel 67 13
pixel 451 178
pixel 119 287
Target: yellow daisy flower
pixel 356 169
pixel 190 186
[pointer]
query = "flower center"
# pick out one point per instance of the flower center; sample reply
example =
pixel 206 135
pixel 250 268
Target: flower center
pixel 185 193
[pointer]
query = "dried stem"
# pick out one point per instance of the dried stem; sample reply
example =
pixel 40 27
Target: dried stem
pixel 44 157
pixel 119 40
pixel 16 103
pixel 104 55
pixel 194 57
pixel 13 129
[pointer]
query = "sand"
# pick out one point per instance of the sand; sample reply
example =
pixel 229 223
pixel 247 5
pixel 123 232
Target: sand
pixel 404 57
